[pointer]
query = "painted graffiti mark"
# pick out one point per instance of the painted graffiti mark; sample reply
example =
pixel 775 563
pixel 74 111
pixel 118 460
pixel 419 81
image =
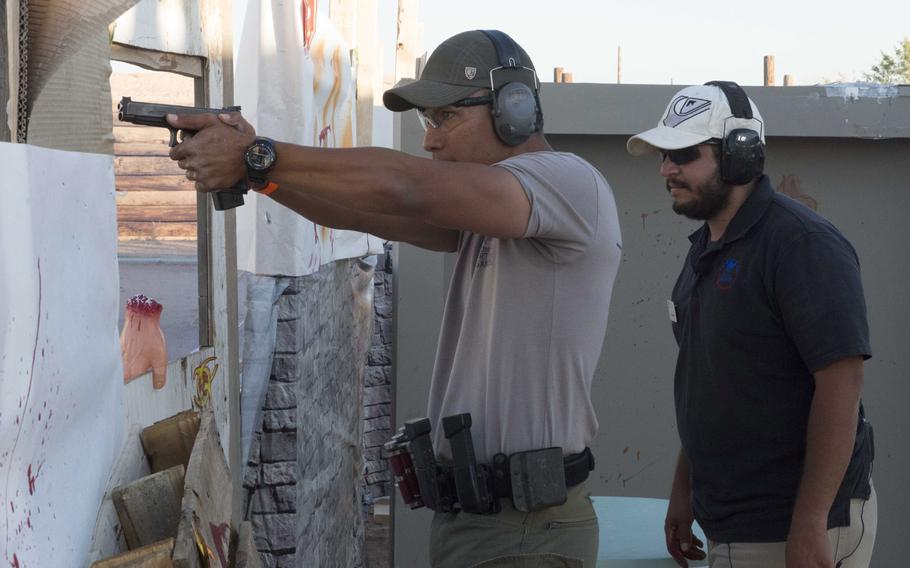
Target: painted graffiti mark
pixel 221 534
pixel 203 377
pixel 308 14
pixel 205 553
pixel 324 136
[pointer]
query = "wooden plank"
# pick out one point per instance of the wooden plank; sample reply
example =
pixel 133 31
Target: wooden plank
pixel 141 148
pixel 153 230
pixel 170 198
pixel 169 442
pixel 159 87
pixel 172 182
pixel 126 133
pixel 221 243
pixel 155 555
pixel 146 165
pixel 205 513
pixel 408 40
pixel 149 508
pixel 367 72
pixel 159 213
pixel 188 65
pixel 107 539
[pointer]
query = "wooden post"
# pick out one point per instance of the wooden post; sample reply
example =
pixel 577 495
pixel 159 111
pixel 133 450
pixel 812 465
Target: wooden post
pixel 788 80
pixel 343 17
pixel 406 45
pixel 769 70
pixel 567 77
pixel 618 65
pixel 557 74
pixel 367 49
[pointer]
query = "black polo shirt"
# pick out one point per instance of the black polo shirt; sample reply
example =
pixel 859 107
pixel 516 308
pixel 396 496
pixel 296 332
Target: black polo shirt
pixel 777 298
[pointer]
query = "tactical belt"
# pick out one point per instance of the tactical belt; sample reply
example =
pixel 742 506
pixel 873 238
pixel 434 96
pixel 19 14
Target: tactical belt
pixel 576 467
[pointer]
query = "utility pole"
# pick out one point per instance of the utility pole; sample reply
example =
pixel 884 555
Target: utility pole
pixel 618 64
pixel 769 70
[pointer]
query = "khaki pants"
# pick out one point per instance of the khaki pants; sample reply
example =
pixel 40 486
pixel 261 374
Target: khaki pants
pixel 557 537
pixel 851 546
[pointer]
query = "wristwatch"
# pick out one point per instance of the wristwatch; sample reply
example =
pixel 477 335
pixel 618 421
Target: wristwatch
pixel 260 158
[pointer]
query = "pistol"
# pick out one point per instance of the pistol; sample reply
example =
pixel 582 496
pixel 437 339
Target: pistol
pixel 154 114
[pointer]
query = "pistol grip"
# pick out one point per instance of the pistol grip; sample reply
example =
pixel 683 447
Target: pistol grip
pixel 173 141
pixel 229 198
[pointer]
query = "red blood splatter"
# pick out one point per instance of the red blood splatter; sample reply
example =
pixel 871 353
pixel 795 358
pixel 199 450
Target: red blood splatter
pixel 33 478
pixel 142 304
pixel 15 562
pixel 12 508
pixel 221 535
pixel 28 521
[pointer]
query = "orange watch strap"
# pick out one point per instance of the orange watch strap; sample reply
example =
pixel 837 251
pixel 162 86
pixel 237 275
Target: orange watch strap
pixel 269 188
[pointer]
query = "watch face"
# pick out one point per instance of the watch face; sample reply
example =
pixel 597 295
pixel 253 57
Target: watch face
pixel 260 156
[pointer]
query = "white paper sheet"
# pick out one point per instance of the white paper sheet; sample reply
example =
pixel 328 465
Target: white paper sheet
pixel 301 92
pixel 60 369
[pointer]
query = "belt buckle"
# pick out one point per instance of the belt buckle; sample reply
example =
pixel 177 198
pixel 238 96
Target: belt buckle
pixel 538 479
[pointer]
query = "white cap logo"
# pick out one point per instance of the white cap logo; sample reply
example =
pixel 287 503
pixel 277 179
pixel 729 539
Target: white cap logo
pixel 470 72
pixel 683 108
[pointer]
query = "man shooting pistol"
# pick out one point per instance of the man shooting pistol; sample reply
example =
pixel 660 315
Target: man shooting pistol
pixel 154 114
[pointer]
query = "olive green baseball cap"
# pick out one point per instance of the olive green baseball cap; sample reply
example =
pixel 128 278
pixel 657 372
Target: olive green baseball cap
pixel 457 68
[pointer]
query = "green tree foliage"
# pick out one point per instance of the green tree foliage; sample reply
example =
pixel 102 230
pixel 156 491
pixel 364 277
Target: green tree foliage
pixel 893 68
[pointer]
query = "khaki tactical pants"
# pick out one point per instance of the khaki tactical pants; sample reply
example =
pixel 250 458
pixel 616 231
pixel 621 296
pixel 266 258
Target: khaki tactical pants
pixel 851 546
pixel 557 537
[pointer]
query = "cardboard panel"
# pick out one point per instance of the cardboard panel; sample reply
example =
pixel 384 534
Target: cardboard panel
pixel 149 507
pixel 204 533
pixel 157 555
pixel 169 442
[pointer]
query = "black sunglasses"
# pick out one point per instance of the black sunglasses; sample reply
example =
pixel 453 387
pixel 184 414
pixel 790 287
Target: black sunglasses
pixel 685 155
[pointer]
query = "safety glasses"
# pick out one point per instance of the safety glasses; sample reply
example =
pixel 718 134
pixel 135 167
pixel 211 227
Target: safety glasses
pixel 435 118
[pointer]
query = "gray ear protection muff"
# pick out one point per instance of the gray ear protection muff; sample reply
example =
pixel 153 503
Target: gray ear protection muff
pixel 742 156
pixel 516 106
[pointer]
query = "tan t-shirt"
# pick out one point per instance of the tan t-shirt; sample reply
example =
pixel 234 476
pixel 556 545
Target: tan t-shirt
pixel 525 318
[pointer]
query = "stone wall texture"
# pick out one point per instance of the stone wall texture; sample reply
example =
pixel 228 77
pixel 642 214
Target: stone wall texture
pixel 377 385
pixel 306 466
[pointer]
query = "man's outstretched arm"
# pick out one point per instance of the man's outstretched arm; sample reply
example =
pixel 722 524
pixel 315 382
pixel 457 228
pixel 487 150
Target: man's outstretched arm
pixel 457 196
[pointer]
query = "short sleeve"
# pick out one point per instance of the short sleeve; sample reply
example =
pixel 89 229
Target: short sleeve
pixel 564 192
pixel 819 292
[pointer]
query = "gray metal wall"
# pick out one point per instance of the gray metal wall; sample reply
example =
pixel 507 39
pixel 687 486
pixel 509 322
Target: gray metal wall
pixel 862 185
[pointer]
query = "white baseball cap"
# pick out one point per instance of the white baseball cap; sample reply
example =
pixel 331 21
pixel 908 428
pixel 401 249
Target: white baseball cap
pixel 695 115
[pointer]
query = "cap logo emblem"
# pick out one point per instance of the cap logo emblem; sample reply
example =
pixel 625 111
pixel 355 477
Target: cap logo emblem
pixel 470 72
pixel 683 108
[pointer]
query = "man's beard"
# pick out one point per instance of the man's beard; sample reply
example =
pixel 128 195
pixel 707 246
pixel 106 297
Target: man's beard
pixel 709 199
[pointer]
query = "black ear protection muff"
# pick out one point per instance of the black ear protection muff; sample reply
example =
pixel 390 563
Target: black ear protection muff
pixel 742 156
pixel 516 105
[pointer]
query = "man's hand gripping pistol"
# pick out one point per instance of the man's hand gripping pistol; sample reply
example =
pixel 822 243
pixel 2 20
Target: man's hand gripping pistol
pixel 153 114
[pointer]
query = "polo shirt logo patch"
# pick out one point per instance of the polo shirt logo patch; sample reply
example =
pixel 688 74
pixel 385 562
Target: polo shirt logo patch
pixel 727 275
